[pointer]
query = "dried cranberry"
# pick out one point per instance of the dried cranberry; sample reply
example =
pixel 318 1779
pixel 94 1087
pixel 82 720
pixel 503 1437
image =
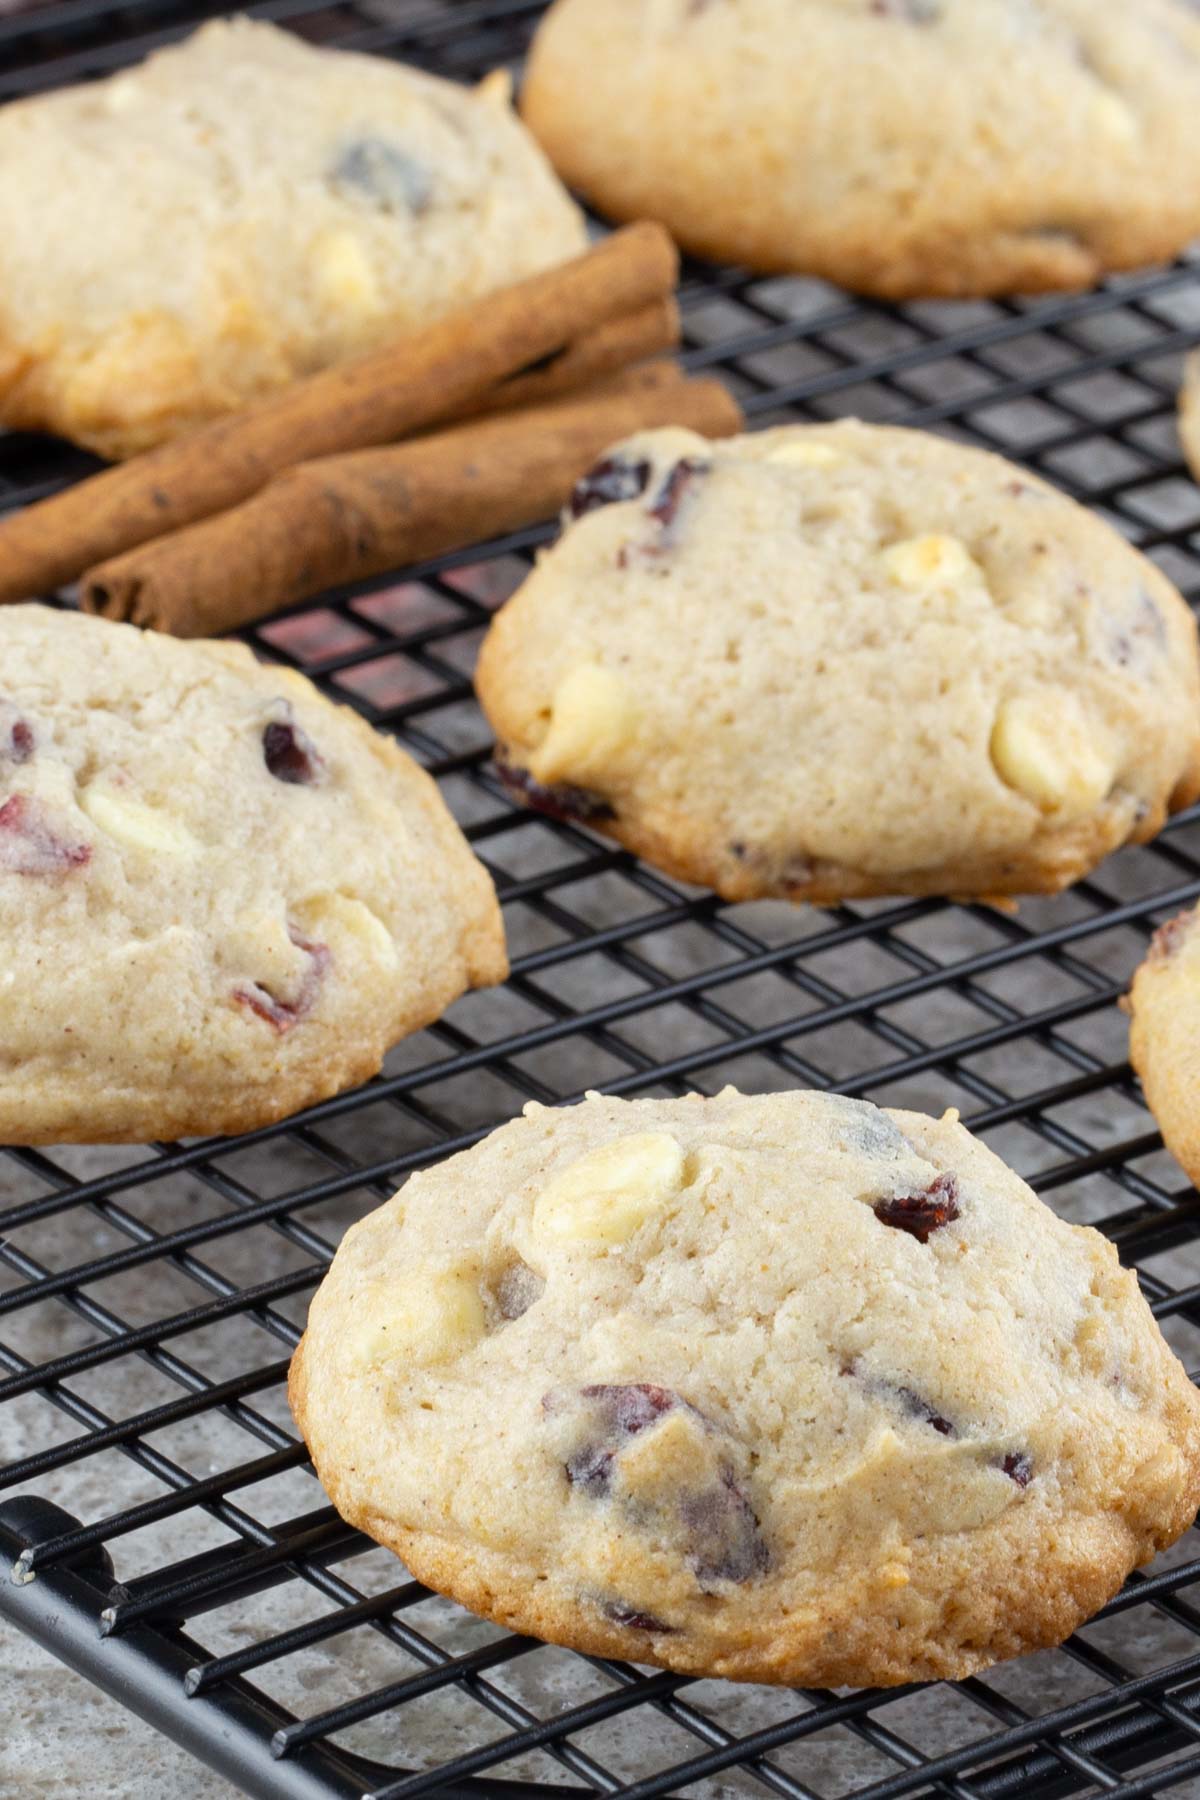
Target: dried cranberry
pixel 280 1014
pixel 666 503
pixel 924 1213
pixel 561 801
pixel 914 1404
pixel 291 755
pixel 611 480
pixel 921 1409
pixel 16 734
pixel 615 1415
pixel 518 1288
pixel 725 1543
pixel 713 1524
pixel 1019 1468
pixel 1169 939
pixel 633 1620
pixel 392 178
pixel 29 843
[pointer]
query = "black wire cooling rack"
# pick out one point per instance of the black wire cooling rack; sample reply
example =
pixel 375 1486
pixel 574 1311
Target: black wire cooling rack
pixel 160 1530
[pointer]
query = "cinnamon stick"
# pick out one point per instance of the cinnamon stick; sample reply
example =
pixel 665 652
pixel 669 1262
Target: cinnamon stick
pixel 619 344
pixel 340 519
pixel 388 393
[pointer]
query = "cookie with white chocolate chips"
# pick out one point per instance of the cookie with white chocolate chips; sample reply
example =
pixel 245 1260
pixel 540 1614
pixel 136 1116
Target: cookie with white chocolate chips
pixel 1164 1035
pixel 781 1388
pixel 841 660
pixel 898 147
pixel 314 202
pixel 221 897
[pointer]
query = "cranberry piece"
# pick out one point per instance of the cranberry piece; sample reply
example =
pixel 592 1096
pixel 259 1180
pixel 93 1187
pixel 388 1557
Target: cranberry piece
pixel 616 1415
pixel 920 1408
pixel 518 1288
pixel 282 1014
pixel 725 1543
pixel 633 1620
pixel 666 503
pixel 914 1404
pixel 1019 1468
pixel 17 742
pixel 291 755
pixel 392 178
pixel 29 843
pixel 924 1213
pixel 713 1525
pixel 1169 939
pixel 570 805
pixel 611 480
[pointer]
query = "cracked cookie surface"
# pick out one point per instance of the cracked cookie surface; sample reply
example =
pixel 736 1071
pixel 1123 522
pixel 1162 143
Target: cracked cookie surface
pixel 676 1380
pixel 221 897
pixel 314 203
pixel 839 660
pixel 898 147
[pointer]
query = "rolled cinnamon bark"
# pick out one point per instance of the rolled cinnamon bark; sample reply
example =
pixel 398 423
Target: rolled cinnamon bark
pixel 428 375
pixel 342 518
pixel 619 344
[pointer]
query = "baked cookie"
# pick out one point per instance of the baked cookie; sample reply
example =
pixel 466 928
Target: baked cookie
pixel 782 1388
pixel 1164 1035
pixel 899 147
pixel 221 897
pixel 840 660
pixel 240 211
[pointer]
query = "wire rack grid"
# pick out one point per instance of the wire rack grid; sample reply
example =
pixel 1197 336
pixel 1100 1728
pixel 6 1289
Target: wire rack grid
pixel 150 1297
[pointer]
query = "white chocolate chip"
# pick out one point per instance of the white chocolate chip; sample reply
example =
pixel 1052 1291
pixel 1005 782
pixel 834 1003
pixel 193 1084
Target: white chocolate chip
pixel 334 915
pixel 436 1313
pixel 807 453
pixel 1044 746
pixel 138 827
pixel 607 1195
pixel 933 561
pixel 121 95
pixel 592 721
pixel 1115 117
pixel 344 273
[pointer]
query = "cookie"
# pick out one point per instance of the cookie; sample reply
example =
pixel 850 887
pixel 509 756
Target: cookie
pixel 240 211
pixel 221 897
pixel 1189 413
pixel 845 660
pixel 781 1388
pixel 898 147
pixel 1164 1035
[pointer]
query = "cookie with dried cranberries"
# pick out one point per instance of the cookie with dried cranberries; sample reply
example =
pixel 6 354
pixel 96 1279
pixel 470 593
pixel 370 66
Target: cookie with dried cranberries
pixel 781 1388
pixel 222 897
pixel 825 662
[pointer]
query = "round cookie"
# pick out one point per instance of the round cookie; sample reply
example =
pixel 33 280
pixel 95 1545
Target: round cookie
pixel 221 897
pixel 845 660
pixel 242 210
pixel 1189 413
pixel 899 147
pixel 781 1388
pixel 1164 1035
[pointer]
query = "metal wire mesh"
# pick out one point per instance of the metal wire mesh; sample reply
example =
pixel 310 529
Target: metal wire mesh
pixel 150 1297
